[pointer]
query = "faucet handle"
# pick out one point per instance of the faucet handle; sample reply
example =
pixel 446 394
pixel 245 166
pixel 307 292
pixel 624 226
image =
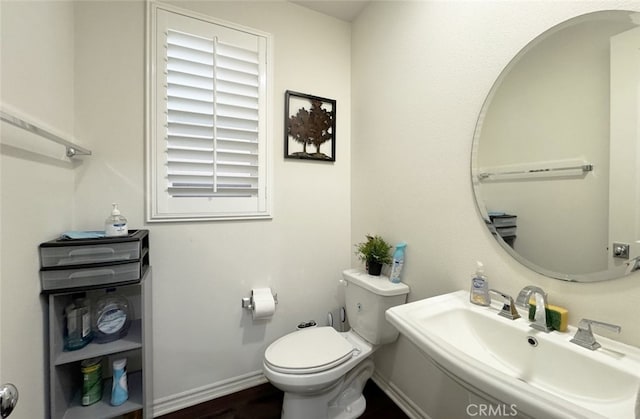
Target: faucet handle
pixel 509 308
pixel 584 336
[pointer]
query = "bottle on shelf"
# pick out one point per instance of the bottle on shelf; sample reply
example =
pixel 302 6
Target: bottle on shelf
pixel 77 333
pixel 112 317
pixel 115 225
pixel 119 388
pixel 91 380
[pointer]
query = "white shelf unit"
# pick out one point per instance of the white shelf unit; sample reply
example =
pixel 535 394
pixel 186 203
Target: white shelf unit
pixel 65 377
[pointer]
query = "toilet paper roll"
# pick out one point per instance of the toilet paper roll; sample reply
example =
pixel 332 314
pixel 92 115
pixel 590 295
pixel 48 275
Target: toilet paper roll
pixel 263 303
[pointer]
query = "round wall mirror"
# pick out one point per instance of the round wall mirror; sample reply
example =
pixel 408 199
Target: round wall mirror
pixel 556 152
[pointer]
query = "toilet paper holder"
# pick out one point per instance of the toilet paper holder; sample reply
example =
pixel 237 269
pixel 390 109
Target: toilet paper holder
pixel 247 302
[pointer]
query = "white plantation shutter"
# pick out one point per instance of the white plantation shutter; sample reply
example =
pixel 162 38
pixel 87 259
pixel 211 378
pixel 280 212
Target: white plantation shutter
pixel 212 101
pixel 210 147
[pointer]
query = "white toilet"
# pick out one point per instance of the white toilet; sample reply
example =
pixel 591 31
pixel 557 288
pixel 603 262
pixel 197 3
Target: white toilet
pixel 322 371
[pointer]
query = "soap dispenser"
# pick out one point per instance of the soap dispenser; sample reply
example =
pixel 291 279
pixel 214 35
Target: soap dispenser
pixel 479 293
pixel 115 225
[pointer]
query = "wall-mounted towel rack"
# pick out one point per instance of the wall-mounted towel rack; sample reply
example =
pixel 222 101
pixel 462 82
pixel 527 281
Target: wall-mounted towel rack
pixel 545 169
pixel 20 122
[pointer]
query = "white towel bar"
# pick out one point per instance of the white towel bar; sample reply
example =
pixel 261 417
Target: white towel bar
pixel 558 168
pixel 72 148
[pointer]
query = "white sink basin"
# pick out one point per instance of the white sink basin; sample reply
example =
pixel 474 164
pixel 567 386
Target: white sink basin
pixel 541 375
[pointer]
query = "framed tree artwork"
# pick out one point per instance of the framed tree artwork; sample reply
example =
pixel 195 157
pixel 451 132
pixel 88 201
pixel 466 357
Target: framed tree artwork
pixel 310 127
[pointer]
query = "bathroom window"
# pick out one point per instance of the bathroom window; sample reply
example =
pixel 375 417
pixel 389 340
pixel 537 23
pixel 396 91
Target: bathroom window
pixel 207 144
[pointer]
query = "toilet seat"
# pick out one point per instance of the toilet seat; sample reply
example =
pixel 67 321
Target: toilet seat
pixel 308 351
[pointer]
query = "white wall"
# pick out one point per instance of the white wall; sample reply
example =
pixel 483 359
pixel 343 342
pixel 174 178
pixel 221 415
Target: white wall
pixel 204 342
pixel 417 83
pixel 434 64
pixel 36 187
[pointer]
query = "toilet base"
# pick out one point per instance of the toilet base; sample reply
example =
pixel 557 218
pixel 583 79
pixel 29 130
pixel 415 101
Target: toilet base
pixel 353 410
pixel 342 400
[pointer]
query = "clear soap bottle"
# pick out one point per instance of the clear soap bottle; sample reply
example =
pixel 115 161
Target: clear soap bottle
pixel 115 225
pixel 479 293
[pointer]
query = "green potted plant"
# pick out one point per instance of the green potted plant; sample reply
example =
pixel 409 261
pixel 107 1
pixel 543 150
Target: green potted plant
pixel 374 253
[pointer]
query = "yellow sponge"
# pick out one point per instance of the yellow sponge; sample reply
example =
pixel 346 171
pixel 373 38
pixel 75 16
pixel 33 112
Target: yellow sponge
pixel 557 317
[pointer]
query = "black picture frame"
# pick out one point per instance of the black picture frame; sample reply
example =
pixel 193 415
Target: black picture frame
pixel 309 122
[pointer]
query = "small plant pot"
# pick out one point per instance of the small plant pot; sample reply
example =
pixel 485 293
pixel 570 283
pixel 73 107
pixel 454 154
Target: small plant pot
pixel 374 268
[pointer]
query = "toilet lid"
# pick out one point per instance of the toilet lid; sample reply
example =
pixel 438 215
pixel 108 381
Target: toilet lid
pixel 306 351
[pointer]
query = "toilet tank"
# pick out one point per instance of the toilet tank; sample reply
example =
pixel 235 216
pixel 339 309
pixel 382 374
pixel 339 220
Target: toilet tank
pixel 367 298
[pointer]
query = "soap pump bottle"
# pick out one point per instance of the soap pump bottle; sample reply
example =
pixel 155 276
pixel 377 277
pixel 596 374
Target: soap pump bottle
pixel 115 225
pixel 398 262
pixel 479 293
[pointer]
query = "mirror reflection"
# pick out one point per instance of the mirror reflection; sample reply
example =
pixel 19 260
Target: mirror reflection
pixel 555 162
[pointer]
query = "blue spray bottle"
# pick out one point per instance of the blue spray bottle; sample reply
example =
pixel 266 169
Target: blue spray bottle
pixel 398 262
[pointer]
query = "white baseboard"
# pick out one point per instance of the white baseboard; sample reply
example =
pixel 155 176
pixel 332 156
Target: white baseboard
pixel 404 403
pixel 203 394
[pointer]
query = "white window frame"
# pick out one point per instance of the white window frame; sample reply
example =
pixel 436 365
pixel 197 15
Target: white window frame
pixel 161 206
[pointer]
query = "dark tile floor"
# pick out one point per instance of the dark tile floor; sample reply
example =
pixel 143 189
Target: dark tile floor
pixel 265 402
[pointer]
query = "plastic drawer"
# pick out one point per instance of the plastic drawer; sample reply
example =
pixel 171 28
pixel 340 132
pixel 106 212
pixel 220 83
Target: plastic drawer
pixel 504 220
pixel 506 231
pixel 57 279
pixel 89 254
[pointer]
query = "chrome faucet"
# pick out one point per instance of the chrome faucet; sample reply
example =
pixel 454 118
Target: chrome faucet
pixel 540 322
pixel 584 336
pixel 524 296
pixel 508 308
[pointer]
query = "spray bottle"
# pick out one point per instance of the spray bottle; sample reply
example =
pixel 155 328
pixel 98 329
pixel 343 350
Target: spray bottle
pixel 398 262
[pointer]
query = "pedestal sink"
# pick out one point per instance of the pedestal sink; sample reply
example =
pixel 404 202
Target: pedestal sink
pixel 537 374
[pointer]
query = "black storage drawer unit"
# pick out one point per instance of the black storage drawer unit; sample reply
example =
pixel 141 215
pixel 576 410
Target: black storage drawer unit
pixel 66 264
pixel 79 254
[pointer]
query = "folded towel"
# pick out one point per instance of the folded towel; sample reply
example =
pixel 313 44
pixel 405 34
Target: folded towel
pixel 71 235
pixel 638 405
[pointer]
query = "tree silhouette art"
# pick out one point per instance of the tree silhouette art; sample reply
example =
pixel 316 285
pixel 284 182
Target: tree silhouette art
pixel 311 127
pixel 297 128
